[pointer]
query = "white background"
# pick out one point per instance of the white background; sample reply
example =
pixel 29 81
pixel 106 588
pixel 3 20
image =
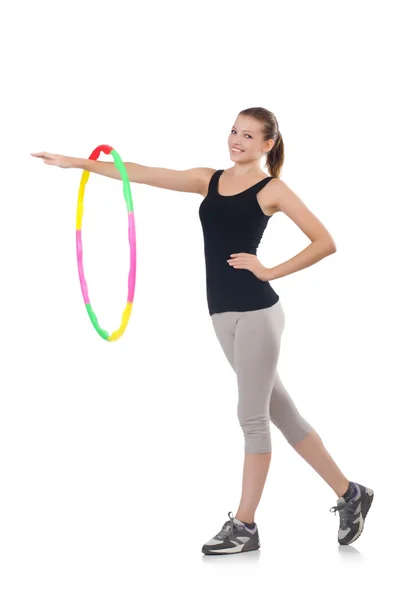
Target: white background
pixel 119 461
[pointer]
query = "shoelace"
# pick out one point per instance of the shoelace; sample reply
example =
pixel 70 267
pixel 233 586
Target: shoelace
pixel 229 527
pixel 344 510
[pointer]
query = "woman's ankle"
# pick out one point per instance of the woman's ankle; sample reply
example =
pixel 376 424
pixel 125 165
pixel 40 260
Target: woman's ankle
pixel 248 518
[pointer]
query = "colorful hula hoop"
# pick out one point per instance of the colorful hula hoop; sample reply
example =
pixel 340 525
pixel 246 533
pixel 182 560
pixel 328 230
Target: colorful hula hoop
pixel 131 237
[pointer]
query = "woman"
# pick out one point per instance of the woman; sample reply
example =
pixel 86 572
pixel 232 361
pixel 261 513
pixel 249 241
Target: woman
pixel 246 312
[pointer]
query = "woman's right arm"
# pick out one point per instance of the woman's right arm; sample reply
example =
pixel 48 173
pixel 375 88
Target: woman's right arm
pixel 190 180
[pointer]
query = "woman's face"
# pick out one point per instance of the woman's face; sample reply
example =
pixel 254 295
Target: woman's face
pixel 246 134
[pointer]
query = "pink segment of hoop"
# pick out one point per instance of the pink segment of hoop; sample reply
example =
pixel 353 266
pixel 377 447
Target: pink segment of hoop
pixel 83 282
pixel 132 240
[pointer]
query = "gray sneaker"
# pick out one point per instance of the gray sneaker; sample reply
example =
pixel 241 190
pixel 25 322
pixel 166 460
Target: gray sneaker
pixel 353 514
pixel 234 537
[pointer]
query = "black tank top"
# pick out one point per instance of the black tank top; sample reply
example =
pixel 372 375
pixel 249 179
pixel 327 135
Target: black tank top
pixel 233 224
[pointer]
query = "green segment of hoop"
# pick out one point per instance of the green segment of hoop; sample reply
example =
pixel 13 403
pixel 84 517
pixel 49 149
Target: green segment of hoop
pixel 94 320
pixel 120 166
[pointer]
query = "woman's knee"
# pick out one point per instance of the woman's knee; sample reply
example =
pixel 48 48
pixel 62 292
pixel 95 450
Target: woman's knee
pixel 256 431
pixel 292 425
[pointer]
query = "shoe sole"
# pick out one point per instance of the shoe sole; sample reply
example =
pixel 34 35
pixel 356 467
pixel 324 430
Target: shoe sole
pixel 232 551
pixel 366 505
pixel 245 548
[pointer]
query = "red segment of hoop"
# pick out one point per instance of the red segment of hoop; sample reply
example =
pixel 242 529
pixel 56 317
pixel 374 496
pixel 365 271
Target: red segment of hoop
pixel 103 148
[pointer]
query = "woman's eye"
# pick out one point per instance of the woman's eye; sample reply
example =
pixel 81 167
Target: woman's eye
pixel 233 131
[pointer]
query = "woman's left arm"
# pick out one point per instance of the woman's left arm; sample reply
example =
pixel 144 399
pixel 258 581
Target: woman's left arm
pixel 322 244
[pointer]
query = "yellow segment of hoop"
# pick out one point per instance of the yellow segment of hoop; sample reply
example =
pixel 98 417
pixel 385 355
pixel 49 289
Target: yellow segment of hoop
pixel 124 322
pixel 80 205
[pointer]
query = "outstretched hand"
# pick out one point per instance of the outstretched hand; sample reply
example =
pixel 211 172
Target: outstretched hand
pixel 57 160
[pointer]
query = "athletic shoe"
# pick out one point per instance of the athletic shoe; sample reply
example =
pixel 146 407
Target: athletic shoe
pixel 234 537
pixel 352 514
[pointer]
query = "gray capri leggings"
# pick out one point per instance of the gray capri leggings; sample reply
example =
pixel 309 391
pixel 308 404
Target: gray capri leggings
pixel 251 342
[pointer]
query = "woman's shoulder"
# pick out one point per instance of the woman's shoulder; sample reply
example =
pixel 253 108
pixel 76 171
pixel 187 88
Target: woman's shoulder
pixel 206 174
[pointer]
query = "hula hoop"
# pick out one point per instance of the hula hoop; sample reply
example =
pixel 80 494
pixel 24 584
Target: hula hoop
pixel 131 237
